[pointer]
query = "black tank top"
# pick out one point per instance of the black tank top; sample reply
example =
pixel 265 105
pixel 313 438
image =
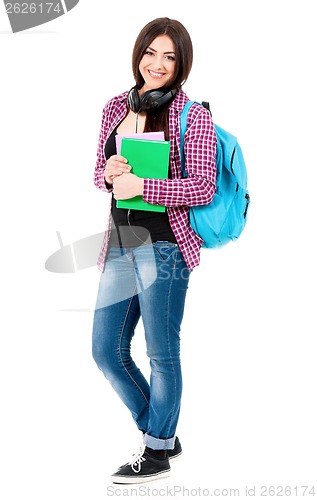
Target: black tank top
pixel 135 227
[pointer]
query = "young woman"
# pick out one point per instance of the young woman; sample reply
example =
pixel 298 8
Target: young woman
pixel 147 257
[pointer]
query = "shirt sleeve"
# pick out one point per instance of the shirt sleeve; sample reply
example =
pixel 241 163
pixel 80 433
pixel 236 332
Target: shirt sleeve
pixel 99 174
pixel 198 188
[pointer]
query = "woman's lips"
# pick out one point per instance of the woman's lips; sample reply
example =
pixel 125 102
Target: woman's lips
pixel 154 74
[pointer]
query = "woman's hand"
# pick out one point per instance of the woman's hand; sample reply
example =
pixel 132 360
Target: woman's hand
pixel 127 186
pixel 116 165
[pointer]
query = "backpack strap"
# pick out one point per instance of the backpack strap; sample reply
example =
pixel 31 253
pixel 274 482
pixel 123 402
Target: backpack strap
pixel 183 126
pixel 206 105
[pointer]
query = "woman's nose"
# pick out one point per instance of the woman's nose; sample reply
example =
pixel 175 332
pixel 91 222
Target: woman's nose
pixel 158 62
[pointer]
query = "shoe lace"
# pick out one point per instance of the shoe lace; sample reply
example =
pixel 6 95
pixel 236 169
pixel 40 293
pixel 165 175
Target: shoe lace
pixel 137 459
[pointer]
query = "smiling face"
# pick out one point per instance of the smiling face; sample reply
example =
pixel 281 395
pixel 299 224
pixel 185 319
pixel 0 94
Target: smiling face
pixel 157 65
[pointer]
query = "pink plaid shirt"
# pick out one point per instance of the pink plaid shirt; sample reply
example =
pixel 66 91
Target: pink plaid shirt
pixel 177 193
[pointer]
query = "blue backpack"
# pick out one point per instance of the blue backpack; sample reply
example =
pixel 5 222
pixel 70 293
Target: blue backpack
pixel 223 219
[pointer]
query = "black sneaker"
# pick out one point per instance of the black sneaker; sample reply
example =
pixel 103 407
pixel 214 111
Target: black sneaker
pixel 171 454
pixel 176 451
pixel 141 469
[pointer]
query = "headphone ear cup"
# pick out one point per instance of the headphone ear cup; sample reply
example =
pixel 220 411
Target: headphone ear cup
pixel 133 100
pixel 150 99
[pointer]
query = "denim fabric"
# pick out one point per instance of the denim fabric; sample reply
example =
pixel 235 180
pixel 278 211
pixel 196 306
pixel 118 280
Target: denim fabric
pixel 151 282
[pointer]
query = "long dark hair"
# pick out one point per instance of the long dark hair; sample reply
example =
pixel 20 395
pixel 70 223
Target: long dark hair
pixel 183 63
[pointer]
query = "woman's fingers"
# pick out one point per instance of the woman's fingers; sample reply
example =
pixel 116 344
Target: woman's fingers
pixel 116 165
pixel 118 158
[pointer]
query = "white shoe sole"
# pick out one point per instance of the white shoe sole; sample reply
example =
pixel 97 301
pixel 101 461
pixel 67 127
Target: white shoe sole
pixel 139 479
pixel 175 458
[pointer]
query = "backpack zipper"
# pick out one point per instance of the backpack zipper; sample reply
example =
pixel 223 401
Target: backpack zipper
pixel 247 206
pixel 231 163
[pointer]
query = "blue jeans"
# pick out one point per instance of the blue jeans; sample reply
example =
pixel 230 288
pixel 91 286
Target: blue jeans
pixel 149 281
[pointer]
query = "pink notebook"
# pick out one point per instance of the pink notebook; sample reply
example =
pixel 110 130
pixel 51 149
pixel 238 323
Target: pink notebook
pixel 148 136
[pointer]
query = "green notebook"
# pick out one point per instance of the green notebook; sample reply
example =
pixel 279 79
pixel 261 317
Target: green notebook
pixel 148 159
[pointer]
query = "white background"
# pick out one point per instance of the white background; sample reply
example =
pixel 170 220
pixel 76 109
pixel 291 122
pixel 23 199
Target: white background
pixel 248 338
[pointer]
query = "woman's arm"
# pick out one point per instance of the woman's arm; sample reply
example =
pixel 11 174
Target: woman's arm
pixel 99 174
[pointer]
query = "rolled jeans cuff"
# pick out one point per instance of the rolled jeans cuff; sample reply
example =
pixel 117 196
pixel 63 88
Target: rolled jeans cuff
pixel 158 444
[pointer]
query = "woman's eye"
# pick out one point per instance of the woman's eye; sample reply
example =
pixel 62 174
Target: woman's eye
pixel 148 53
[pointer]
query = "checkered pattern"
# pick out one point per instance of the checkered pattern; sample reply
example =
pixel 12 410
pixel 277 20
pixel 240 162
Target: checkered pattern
pixel 177 194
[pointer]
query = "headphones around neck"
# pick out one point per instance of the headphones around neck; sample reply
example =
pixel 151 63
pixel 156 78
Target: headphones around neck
pixel 150 100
